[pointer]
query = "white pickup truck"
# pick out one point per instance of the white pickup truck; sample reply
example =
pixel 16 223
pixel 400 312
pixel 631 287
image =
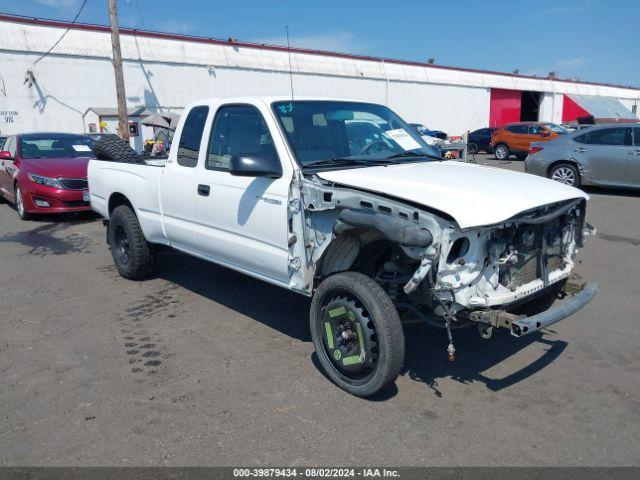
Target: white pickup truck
pixel 343 202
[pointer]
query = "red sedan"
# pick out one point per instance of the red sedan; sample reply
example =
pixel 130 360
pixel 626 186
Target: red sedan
pixel 45 173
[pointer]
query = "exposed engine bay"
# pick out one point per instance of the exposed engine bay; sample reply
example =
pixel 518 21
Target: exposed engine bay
pixel 430 268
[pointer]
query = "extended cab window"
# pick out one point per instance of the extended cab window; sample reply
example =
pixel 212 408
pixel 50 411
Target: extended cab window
pixel 238 130
pixel 189 145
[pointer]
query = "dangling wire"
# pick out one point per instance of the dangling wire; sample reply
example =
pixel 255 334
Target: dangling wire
pixel 75 19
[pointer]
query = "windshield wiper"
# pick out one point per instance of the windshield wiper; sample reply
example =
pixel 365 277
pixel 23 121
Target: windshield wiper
pixel 348 161
pixel 413 154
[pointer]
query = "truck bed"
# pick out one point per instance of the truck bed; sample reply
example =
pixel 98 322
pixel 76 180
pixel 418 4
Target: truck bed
pixel 138 183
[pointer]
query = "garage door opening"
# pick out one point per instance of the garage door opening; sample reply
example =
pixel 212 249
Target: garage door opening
pixel 530 107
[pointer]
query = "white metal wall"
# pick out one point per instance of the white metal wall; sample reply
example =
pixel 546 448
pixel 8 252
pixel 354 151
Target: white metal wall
pixel 163 74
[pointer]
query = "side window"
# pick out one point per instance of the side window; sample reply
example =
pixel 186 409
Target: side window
pixel 11 146
pixel 191 136
pixel 536 129
pixel 636 136
pixel 520 129
pixel 609 136
pixel 238 130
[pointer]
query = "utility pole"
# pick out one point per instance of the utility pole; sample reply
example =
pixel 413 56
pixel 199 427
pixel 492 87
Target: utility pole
pixel 123 124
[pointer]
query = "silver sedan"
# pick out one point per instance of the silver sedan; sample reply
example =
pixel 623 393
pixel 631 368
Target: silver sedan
pixel 606 155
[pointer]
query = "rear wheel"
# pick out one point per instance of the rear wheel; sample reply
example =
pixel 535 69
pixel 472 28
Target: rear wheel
pixel 472 148
pixel 565 173
pixel 501 152
pixel 22 212
pixel 131 252
pixel 356 333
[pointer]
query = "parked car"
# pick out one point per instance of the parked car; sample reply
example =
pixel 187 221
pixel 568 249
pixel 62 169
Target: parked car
pixel 43 173
pixel 607 155
pixel 422 130
pixel 480 140
pixel 515 138
pixel 2 140
pixel 375 232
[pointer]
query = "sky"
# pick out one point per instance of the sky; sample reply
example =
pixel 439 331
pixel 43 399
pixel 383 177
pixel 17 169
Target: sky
pixel 593 40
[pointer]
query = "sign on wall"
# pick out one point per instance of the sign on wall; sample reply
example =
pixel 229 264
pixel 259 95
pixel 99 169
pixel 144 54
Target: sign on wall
pixel 9 120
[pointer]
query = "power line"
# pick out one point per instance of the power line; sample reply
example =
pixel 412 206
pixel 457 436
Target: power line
pixel 75 19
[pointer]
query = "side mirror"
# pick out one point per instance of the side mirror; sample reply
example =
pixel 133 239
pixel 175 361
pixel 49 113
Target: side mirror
pixel 6 155
pixel 255 166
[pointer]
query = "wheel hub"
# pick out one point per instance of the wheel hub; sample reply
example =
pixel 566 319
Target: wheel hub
pixel 350 338
pixel 564 175
pixel 122 243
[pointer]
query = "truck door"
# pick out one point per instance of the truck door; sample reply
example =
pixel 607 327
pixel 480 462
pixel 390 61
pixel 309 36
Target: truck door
pixel 177 185
pixel 241 221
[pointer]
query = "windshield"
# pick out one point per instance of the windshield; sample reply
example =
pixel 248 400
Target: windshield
pixel 348 132
pixel 421 129
pixel 55 146
pixel 557 128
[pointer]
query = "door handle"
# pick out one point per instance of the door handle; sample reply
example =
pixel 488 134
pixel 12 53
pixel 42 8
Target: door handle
pixel 580 150
pixel 634 152
pixel 203 190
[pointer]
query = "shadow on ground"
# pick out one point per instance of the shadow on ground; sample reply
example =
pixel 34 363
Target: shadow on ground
pixel 615 192
pixel 426 359
pixel 41 239
pixel 273 306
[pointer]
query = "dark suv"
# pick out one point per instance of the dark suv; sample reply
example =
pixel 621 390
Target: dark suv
pixel 480 140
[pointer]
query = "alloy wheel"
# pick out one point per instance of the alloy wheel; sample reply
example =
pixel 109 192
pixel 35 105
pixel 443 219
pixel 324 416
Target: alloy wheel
pixel 19 202
pixel 564 175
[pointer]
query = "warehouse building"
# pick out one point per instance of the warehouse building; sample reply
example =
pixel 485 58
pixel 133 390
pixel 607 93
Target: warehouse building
pixel 68 88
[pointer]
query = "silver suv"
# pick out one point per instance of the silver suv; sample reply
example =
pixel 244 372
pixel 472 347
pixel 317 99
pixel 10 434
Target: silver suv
pixel 607 155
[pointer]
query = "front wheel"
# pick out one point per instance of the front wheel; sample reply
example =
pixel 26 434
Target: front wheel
pixel 131 252
pixel 22 211
pixel 501 152
pixel 356 333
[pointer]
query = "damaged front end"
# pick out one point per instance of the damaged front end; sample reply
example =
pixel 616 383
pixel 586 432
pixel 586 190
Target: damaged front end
pixel 505 275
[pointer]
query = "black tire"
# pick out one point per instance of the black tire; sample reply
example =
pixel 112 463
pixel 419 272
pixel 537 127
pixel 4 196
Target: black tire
pixel 131 252
pixel 22 213
pixel 113 149
pixel 521 157
pixel 565 173
pixel 501 151
pixel 362 312
pixel 472 148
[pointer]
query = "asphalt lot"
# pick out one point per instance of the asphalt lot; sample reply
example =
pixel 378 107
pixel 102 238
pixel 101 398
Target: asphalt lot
pixel 203 366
